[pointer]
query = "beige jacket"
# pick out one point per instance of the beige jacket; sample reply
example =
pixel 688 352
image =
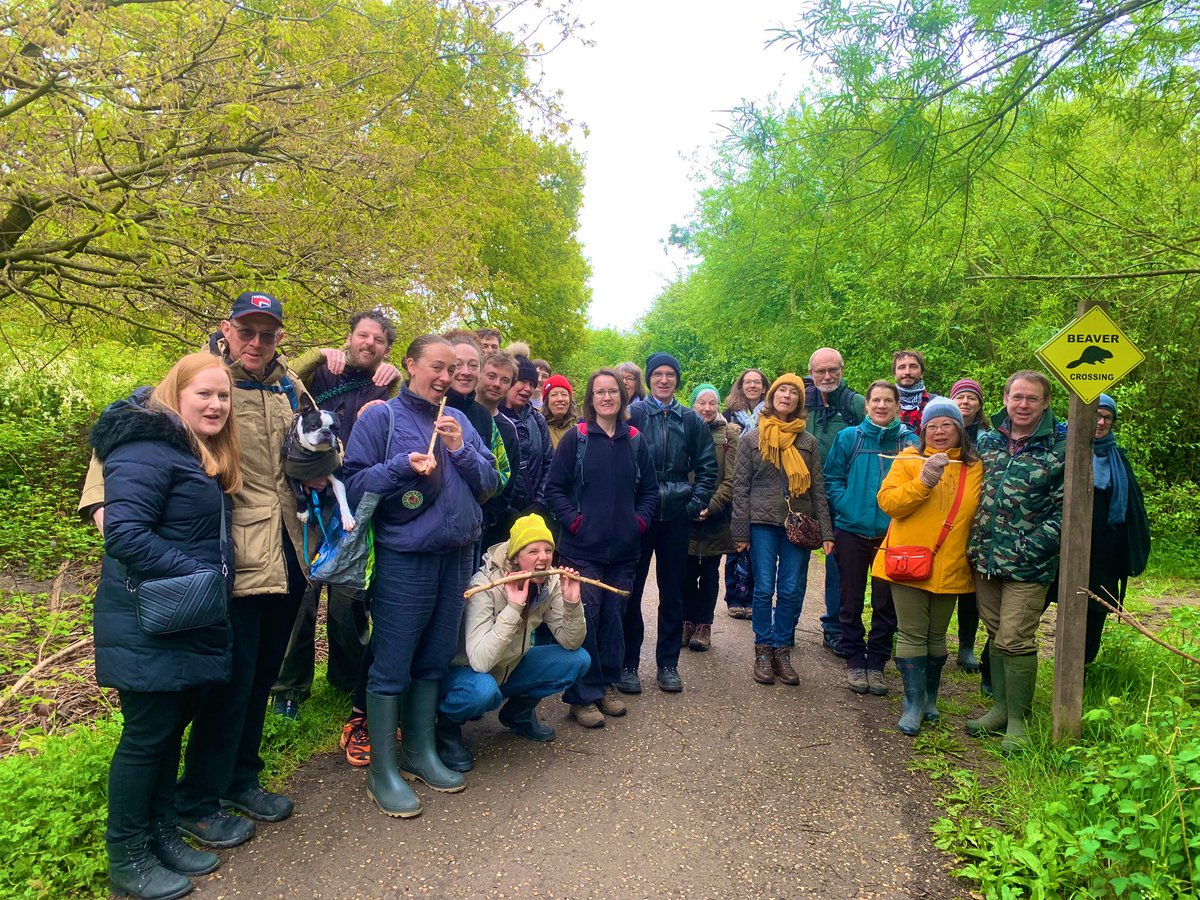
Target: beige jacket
pixel 496 635
pixel 265 506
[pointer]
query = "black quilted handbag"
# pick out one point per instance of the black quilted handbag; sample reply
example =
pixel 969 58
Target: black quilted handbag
pixel 184 602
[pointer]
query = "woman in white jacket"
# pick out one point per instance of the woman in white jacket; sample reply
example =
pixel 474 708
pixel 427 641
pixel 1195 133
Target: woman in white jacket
pixel 497 660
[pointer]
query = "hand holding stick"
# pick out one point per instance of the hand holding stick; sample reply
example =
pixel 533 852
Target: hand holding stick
pixel 433 437
pixel 522 576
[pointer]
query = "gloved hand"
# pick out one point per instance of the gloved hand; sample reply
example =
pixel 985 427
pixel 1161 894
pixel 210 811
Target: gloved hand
pixel 931 472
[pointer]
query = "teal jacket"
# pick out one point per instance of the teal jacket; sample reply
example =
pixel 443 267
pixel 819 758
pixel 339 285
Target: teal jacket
pixel 1018 525
pixel 854 470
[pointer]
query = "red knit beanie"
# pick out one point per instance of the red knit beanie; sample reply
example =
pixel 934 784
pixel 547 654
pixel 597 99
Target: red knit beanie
pixel 556 381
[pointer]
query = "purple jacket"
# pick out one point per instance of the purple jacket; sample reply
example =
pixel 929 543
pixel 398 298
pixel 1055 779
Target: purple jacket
pixel 452 519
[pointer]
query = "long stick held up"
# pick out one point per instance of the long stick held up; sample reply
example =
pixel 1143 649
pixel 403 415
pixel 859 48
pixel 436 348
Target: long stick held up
pixel 522 576
pixel 433 437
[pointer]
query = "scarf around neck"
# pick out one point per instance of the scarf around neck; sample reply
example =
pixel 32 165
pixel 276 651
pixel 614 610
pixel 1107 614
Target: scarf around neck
pixel 1109 473
pixel 777 444
pixel 910 398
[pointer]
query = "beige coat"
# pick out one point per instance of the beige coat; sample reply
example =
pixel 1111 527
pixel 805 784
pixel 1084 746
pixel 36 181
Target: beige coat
pixel 496 635
pixel 265 506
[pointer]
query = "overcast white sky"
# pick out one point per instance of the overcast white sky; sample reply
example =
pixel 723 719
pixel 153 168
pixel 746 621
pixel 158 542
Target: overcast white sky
pixel 656 88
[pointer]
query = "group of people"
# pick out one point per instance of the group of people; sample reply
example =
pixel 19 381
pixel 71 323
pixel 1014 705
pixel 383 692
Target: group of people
pixel 513 518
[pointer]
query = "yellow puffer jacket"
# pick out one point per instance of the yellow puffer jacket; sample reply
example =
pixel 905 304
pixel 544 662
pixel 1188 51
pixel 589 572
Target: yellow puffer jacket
pixel 918 513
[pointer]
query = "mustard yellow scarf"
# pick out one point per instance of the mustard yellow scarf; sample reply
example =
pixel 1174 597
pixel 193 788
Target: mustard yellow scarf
pixel 777 444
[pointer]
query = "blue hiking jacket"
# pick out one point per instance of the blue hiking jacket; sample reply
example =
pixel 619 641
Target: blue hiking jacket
pixel 854 470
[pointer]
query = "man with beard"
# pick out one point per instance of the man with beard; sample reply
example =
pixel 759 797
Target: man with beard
pixel 908 368
pixel 832 406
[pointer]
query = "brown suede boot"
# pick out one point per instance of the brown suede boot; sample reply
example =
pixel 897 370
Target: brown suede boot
pixel 701 638
pixel 688 630
pixel 783 666
pixel 764 668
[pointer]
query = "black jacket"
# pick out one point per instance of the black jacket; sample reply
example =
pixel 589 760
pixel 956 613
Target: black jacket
pixel 680 445
pixel 606 505
pixel 498 510
pixel 161 518
pixel 536 454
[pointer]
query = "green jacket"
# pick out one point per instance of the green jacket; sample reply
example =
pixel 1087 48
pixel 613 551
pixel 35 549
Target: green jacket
pixel 711 537
pixel 1018 525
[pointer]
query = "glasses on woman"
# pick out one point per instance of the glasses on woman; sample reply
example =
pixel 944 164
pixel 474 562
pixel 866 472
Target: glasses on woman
pixel 266 338
pixel 606 392
pixel 940 426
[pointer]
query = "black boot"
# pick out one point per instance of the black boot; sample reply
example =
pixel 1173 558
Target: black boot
pixel 133 871
pixel 985 670
pixel 520 714
pixel 933 683
pixel 170 850
pixel 450 747
pixel 968 627
pixel 418 759
pixel 913 670
pixel 390 792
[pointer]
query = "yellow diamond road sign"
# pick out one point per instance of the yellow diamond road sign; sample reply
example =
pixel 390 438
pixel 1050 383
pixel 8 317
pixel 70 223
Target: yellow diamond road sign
pixel 1090 355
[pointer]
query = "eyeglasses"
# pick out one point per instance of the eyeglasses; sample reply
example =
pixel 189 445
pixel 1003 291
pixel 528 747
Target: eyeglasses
pixel 940 426
pixel 606 393
pixel 1105 418
pixel 821 373
pixel 266 338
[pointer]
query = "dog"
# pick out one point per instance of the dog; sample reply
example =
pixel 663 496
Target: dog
pixel 312 453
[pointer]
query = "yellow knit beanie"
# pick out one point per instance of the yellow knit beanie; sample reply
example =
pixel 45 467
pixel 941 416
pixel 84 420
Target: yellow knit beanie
pixel 525 531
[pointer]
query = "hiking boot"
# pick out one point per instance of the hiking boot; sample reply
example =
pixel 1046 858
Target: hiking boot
pixel 451 749
pixel 875 682
pixel 995 719
pixel 218 830
pixel 832 641
pixel 611 703
pixel 913 670
pixel 669 680
pixel 857 679
pixel 1020 677
pixel 736 612
pixel 261 805
pixel 587 714
pixel 629 682
pixel 520 714
pixel 286 706
pixel 688 630
pixel 933 683
pixel 170 850
pixel 133 871
pixel 782 666
pixel 356 740
pixel 701 638
pixel 764 663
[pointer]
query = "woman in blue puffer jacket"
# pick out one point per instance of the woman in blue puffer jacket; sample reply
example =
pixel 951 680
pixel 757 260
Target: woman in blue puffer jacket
pixel 854 470
pixel 425 530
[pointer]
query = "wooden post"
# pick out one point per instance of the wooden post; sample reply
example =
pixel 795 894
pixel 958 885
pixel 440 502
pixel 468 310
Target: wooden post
pixel 1074 565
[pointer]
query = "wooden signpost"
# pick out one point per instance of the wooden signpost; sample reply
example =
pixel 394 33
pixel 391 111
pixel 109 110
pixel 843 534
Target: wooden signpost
pixel 1089 356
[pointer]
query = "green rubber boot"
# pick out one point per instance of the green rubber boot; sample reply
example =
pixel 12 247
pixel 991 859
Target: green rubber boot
pixel 995 719
pixel 390 792
pixel 933 683
pixel 134 871
pixel 418 759
pixel 1021 676
pixel 913 670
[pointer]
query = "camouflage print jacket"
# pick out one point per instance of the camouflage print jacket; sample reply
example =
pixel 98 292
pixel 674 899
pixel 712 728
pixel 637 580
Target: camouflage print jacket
pixel 1018 524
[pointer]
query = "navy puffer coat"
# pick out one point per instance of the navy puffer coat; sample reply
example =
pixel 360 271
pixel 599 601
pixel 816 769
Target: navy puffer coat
pixel 161 518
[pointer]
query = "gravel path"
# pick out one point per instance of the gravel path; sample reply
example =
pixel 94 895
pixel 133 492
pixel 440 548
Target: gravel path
pixel 730 789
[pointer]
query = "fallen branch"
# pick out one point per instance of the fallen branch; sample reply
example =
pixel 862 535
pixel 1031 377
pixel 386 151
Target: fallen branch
pixel 1138 626
pixel 44 664
pixel 525 576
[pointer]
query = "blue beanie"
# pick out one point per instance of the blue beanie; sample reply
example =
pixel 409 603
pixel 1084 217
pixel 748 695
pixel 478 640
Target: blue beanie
pixel 658 360
pixel 1107 402
pixel 939 407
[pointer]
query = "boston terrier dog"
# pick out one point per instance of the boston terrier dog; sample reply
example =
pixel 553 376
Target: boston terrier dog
pixel 311 454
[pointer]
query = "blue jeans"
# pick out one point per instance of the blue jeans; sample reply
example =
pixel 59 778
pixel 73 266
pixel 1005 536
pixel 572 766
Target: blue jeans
pixel 776 561
pixel 416 613
pixel 543 671
pixel 831 622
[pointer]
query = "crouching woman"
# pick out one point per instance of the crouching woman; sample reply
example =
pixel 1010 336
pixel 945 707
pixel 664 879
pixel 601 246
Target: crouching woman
pixel 170 458
pixel 496 662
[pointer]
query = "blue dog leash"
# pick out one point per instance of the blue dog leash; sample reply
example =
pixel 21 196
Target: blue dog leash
pixel 315 500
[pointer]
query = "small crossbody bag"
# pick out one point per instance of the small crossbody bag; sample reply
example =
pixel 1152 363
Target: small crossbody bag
pixel 184 602
pixel 914 563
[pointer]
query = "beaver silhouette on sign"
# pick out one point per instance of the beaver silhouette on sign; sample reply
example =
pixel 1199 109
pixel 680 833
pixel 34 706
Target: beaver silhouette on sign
pixel 1091 355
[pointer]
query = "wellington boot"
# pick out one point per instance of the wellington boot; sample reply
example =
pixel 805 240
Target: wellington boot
pixel 520 714
pixel 418 759
pixel 1020 675
pixel 782 664
pixel 914 671
pixel 170 850
pixel 764 663
pixel 390 792
pixel 933 683
pixel 995 719
pixel 134 871
pixel 450 747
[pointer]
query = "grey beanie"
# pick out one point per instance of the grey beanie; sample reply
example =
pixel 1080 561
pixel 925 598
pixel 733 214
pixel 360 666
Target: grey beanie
pixel 938 407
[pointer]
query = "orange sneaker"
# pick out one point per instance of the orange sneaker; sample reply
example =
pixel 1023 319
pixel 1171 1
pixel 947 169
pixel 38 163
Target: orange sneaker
pixel 355 740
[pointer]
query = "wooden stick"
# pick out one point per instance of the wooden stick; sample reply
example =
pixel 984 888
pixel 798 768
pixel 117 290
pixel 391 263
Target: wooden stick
pixel 45 663
pixel 433 437
pixel 949 462
pixel 522 576
pixel 1130 620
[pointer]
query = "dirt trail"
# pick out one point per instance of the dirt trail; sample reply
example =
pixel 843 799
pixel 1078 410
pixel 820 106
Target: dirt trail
pixel 730 789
